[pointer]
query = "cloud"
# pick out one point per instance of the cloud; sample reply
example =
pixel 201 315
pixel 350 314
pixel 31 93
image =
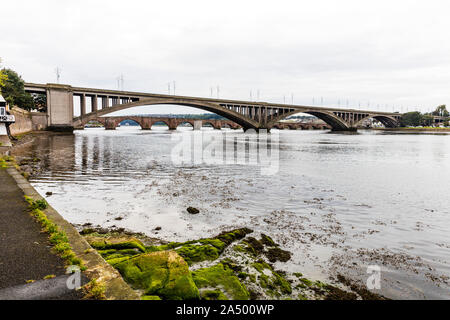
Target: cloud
pixel 387 52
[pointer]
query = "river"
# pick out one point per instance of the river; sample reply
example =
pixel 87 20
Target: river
pixel 338 202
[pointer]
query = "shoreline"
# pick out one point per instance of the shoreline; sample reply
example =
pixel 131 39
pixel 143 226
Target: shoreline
pixel 93 265
pixel 427 129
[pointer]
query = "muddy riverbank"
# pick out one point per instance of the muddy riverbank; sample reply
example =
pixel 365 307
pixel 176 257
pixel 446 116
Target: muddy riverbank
pixel 233 265
pixel 329 205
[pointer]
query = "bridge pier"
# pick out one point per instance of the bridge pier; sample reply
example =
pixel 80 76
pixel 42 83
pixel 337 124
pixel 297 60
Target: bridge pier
pixel 110 124
pixel 59 108
pixel 198 124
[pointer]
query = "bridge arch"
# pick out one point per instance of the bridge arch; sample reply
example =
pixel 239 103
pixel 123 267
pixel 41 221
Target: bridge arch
pixel 387 121
pixel 160 121
pixel 122 119
pixel 328 117
pixel 211 123
pixel 185 121
pixel 234 116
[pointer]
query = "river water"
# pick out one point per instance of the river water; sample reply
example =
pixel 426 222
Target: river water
pixel 339 202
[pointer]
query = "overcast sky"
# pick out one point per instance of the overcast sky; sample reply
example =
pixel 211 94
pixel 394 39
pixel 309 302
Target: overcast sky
pixel 386 52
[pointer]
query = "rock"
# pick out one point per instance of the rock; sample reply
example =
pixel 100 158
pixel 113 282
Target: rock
pixel 267 241
pixel 118 218
pixel 49 193
pixel 193 210
pixel 117 243
pixel 158 228
pixel 86 231
pixel 162 273
pixel 254 246
pixel 223 280
pixel 205 249
pixel 277 254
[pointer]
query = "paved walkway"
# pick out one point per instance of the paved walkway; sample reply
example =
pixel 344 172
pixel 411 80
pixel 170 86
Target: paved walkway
pixel 25 253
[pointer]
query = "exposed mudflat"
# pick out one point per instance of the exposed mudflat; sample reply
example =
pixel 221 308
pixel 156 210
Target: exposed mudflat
pixel 339 203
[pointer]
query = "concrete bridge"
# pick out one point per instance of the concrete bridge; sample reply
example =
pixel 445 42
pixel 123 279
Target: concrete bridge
pixel 146 123
pixel 248 114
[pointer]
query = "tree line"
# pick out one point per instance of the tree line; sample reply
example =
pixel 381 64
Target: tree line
pixel 12 88
pixel 416 118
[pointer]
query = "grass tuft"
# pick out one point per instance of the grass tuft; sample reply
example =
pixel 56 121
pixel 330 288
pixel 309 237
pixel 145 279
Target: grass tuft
pixel 57 237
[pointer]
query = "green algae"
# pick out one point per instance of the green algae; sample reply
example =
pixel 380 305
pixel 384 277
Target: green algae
pixel 239 248
pixel 130 244
pixel 198 253
pixel 222 278
pixel 213 295
pixel 267 241
pixel 301 297
pixel 195 251
pixel 280 282
pixel 163 273
pixel 261 265
pixel 277 254
pixel 306 282
pixel 150 298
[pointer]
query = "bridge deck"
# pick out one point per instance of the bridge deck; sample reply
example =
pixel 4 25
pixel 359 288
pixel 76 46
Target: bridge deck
pixel 41 88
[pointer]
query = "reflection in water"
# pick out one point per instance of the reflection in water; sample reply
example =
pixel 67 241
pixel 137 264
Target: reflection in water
pixel 339 202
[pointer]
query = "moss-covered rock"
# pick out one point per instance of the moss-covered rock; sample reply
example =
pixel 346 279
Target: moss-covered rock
pixel 279 281
pixel 197 253
pixel 213 295
pixel 267 241
pixel 204 249
pixel 277 254
pixel 221 278
pixel 230 237
pixel 254 246
pixel 118 243
pixel 162 273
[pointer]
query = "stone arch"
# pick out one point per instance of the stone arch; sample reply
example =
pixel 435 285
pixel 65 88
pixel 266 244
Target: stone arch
pixel 122 119
pixel 210 123
pixel 94 121
pixel 186 121
pixel 160 121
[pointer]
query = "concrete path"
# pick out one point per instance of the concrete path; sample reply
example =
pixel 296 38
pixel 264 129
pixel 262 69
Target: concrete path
pixel 25 253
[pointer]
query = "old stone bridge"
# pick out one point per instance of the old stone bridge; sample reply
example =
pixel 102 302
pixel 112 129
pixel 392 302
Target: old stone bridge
pixel 146 123
pixel 248 114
